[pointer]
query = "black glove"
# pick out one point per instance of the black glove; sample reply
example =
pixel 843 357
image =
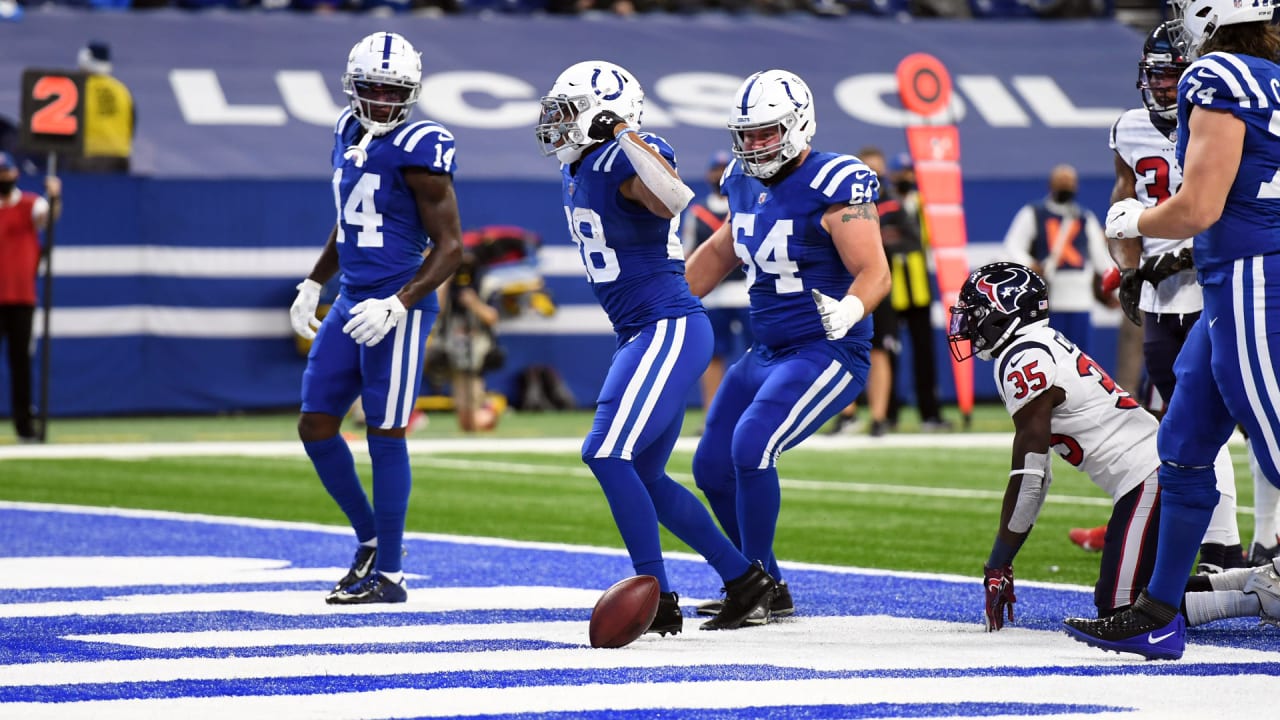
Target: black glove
pixel 998 586
pixel 604 124
pixel 1130 292
pixel 1158 267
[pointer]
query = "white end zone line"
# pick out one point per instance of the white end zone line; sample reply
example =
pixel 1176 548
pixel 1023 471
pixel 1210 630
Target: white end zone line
pixel 426 446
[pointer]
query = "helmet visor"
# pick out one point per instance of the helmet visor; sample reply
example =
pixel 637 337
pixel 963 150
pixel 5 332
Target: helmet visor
pixel 558 123
pixel 960 333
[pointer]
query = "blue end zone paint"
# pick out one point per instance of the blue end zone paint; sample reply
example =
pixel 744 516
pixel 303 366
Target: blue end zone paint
pixel 33 533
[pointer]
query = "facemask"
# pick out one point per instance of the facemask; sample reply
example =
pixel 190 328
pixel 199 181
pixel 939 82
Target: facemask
pixel 6 187
pixel 904 186
pixel 1063 196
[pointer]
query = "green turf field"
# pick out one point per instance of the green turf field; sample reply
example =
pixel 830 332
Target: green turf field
pixel 928 509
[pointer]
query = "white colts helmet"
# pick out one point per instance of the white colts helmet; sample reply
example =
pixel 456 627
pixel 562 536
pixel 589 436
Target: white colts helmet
pixel 382 81
pixel 577 96
pixel 1202 18
pixel 772 99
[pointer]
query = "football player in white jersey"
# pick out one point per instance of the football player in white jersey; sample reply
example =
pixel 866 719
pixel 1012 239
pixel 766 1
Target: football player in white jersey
pixel 1061 399
pixel 393 188
pixel 1158 289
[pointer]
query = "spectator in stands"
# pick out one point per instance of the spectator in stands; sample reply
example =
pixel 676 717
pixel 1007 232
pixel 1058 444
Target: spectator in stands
pixel 110 120
pixel 1063 243
pixel 23 216
pixel 728 306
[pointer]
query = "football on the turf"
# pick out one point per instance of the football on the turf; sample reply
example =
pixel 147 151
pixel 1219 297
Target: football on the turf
pixel 624 612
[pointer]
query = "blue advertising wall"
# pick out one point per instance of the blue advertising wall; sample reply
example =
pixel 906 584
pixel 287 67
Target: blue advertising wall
pixel 173 283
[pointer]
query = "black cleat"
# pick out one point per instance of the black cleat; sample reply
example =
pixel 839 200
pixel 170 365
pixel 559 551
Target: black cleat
pixel 1261 555
pixel 669 618
pixel 375 588
pixel 360 568
pixel 743 595
pixel 780 606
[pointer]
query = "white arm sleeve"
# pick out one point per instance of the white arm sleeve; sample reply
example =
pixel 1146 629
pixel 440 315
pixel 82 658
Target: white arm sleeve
pixel 1036 474
pixel 654 173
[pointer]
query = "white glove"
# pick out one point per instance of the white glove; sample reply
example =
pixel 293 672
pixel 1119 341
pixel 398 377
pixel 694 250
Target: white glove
pixel 372 319
pixel 838 315
pixel 1122 219
pixel 303 312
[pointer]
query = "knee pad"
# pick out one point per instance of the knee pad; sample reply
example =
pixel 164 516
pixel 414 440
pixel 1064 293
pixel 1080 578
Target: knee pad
pixel 1195 487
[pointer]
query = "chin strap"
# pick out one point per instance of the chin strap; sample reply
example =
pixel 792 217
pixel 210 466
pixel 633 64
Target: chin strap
pixel 358 152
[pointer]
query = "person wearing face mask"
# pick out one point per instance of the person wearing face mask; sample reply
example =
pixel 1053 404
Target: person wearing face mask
pixel 912 295
pixel 1063 243
pixel 23 216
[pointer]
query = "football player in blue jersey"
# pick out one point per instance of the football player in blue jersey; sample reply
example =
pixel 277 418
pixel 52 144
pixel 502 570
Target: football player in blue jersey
pixel 804 223
pixel 622 200
pixel 393 186
pixel 1229 149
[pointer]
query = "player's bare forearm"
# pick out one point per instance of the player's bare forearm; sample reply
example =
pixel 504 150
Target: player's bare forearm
pixel 855 230
pixel 327 264
pixel 438 212
pixel 1213 157
pixel 711 261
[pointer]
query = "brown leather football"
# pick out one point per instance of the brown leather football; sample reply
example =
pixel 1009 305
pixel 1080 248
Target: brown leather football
pixel 624 612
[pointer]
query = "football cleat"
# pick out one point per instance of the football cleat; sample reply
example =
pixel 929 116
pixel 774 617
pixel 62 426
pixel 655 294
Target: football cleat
pixel 1089 539
pixel 1215 558
pixel 743 595
pixel 780 606
pixel 1264 582
pixel 669 618
pixel 360 567
pixel 1149 628
pixel 374 588
pixel 1260 554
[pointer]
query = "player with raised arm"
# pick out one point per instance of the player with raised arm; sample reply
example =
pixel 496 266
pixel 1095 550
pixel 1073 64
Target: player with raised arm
pixel 393 187
pixel 1158 287
pixel 1230 202
pixel 1061 399
pixel 622 200
pixel 804 224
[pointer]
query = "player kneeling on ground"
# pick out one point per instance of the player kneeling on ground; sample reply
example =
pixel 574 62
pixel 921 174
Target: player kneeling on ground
pixel 1060 398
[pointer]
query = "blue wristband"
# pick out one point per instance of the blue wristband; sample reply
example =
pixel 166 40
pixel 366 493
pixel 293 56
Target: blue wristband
pixel 1001 554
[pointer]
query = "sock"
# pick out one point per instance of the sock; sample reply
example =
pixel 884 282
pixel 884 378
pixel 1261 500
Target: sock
pixel 634 514
pixel 1230 579
pixel 759 499
pixel 391 483
pixel 1187 498
pixel 1203 607
pixel 1265 498
pixel 680 512
pixel 724 504
pixel 373 543
pixel 337 470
